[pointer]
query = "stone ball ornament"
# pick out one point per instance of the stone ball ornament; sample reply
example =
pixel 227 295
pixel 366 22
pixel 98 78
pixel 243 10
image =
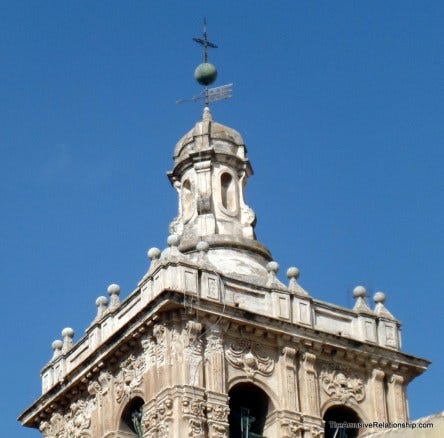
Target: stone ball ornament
pixel 153 253
pixel 379 297
pixel 57 344
pixel 205 73
pixel 272 266
pixel 293 272
pixel 202 246
pixel 359 291
pixel 101 301
pixel 114 289
pixel 68 332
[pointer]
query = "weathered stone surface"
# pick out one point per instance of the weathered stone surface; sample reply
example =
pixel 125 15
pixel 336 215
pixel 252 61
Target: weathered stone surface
pixel 211 314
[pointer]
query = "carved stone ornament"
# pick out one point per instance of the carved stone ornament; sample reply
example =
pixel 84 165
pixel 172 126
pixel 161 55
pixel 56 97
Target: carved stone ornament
pixel 217 412
pixel 160 332
pixel 100 386
pixel 292 429
pixel 217 415
pixel 74 424
pixel 341 387
pixel 194 410
pixel 214 341
pixel 249 357
pixel 155 420
pixel 129 377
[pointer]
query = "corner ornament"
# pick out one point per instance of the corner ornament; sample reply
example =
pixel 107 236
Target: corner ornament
pixel 342 388
pixel 249 357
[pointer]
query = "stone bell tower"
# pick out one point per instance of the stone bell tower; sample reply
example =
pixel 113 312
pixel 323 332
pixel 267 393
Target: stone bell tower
pixel 211 344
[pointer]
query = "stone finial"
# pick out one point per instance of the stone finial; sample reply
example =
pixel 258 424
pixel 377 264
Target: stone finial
pixel 293 285
pixel 153 254
pixel 207 114
pixel 380 310
pixel 114 292
pixel 101 303
pixel 360 294
pixel 203 248
pixel 173 241
pixel 56 346
pixel 273 268
pixel 67 335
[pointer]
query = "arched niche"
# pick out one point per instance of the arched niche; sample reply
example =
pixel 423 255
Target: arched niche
pixel 186 200
pixel 228 193
pixel 337 415
pixel 130 425
pixel 250 407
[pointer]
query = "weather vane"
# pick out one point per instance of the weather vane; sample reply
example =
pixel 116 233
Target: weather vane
pixel 206 74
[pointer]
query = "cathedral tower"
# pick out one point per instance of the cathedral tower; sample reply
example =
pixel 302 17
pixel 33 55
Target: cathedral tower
pixel 211 343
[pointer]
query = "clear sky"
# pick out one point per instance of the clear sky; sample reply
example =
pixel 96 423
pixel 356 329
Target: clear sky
pixel 341 105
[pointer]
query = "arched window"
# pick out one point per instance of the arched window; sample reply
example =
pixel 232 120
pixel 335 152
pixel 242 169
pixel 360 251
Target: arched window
pixel 335 417
pixel 131 420
pixel 249 407
pixel 228 192
pixel 187 200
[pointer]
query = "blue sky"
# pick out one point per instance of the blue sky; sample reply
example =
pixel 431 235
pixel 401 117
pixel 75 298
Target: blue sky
pixel 341 105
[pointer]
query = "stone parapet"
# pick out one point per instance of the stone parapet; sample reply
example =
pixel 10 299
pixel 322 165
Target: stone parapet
pixel 196 283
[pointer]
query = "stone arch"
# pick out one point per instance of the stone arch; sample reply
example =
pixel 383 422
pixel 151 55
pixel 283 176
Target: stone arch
pixel 337 414
pixel 250 409
pixel 130 419
pixel 348 404
pixel 261 383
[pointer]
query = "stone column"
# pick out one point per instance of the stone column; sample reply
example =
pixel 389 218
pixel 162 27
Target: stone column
pixel 396 401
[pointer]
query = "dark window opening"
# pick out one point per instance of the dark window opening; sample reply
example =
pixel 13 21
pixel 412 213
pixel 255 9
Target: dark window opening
pixel 132 417
pixel 335 417
pixel 249 407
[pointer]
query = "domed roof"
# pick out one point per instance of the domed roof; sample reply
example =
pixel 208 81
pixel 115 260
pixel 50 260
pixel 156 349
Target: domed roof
pixel 208 134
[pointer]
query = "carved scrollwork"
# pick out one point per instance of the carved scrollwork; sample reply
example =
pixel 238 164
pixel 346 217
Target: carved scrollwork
pixel 159 332
pixel 156 420
pixel 217 412
pixel 250 357
pixel 217 415
pixel 218 430
pixel 100 386
pixel 129 377
pixel 214 341
pixel 194 410
pixel 292 429
pixel 74 424
pixel 149 351
pixel 342 387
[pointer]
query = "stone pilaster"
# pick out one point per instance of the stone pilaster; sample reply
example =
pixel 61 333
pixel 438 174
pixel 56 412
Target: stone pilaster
pixel 379 398
pixel 397 406
pixel 308 384
pixel 193 354
pixel 288 380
